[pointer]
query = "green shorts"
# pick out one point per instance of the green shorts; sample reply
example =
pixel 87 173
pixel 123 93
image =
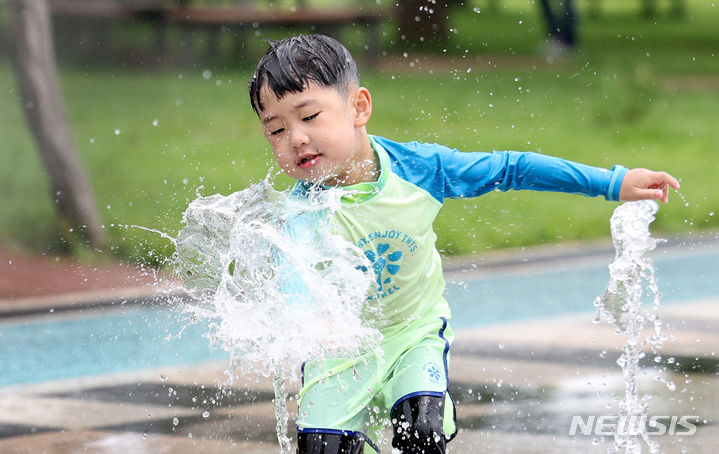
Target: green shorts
pixel 353 397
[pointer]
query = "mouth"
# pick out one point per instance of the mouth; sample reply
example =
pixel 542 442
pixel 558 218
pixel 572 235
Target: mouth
pixel 308 161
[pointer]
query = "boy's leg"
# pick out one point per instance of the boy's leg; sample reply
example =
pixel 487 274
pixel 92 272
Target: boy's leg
pixel 418 425
pixel 333 409
pixel 422 410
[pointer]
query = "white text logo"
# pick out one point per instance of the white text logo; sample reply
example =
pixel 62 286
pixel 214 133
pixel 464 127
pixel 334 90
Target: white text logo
pixel 633 425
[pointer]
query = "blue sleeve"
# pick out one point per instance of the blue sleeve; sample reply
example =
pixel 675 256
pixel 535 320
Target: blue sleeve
pixel 449 173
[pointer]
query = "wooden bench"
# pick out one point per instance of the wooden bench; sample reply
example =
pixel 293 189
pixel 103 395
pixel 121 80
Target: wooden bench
pixel 239 21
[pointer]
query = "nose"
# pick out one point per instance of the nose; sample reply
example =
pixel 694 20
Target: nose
pixel 298 137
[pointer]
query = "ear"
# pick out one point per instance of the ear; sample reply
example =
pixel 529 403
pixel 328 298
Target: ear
pixel 362 103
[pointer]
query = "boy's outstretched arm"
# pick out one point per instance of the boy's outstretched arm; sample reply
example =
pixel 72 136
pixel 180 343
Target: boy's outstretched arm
pixel 641 184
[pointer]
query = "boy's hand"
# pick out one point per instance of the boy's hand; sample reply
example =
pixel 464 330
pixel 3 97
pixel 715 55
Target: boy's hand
pixel 642 184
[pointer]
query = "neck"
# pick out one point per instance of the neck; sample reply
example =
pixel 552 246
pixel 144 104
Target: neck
pixel 368 167
pixel 365 167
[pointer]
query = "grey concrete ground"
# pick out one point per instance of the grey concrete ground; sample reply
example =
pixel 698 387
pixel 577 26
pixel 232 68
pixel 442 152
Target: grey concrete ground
pixel 516 386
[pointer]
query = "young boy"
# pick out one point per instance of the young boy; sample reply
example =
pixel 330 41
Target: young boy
pixel 314 113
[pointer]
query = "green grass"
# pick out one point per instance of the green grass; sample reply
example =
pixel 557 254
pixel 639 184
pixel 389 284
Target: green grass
pixel 619 34
pixel 609 104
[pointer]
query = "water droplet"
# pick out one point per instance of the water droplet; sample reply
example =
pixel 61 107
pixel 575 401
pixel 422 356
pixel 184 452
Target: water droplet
pixel 175 421
pixel 155 122
pixel 205 414
pixel 206 74
pixel 117 132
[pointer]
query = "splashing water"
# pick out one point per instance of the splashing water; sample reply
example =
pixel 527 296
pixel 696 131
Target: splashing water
pixel 277 287
pixel 621 306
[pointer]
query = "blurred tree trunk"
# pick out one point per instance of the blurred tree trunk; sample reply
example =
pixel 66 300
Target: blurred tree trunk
pixel 34 62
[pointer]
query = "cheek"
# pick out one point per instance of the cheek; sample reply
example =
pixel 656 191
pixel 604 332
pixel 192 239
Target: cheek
pixel 284 160
pixel 280 155
pixel 278 150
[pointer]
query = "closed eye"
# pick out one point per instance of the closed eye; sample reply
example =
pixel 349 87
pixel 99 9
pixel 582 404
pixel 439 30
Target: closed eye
pixel 311 117
pixel 276 131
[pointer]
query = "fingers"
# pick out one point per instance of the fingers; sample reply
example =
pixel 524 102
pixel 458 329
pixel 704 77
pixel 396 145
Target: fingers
pixel 648 194
pixel 641 184
pixel 665 194
pixel 662 180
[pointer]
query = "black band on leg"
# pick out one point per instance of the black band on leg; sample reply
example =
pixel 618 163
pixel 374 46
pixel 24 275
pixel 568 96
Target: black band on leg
pixel 329 443
pixel 418 425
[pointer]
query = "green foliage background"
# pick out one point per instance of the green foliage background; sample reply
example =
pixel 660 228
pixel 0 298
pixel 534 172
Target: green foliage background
pixel 640 92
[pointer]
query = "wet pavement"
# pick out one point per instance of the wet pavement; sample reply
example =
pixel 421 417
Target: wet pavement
pixel 517 387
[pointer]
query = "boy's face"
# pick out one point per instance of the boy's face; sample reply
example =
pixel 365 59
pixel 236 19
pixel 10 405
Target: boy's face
pixel 314 134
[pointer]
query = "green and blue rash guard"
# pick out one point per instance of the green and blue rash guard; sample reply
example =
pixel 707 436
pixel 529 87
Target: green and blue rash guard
pixel 391 219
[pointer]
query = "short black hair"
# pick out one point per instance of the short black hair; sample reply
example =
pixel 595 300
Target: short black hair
pixel 289 64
